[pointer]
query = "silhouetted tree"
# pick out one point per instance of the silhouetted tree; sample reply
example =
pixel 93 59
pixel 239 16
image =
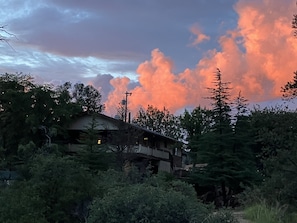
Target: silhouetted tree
pixel 88 97
pixel 160 121
pixel 294 23
pixel 218 147
pixel 290 89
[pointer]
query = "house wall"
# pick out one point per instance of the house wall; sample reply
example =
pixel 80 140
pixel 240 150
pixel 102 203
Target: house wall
pixel 83 123
pixel 139 141
pixel 164 166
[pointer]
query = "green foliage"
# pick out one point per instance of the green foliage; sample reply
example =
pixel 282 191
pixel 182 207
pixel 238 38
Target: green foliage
pixel 55 189
pixel 221 216
pixel 196 122
pixel 223 147
pixel 38 114
pixel 161 121
pixel 21 203
pixel 92 155
pixel 159 198
pixel 88 97
pixel 144 203
pixel 275 133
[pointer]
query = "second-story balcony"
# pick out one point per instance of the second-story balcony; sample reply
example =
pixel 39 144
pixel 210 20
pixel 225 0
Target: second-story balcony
pixel 140 149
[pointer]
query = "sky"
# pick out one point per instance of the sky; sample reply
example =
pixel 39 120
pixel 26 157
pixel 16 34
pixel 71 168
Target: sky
pixel 165 52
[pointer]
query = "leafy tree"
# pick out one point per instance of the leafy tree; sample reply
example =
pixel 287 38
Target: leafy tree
pixel 290 89
pixel 32 113
pixel 55 190
pixel 193 125
pixel 21 203
pixel 160 121
pixel 66 109
pixel 14 110
pixel 88 97
pixel 276 144
pixel 196 123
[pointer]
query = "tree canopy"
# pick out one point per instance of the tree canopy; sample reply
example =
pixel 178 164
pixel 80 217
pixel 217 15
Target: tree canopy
pixel 161 121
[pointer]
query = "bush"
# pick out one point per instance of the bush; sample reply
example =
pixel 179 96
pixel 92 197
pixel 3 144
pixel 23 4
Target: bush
pixel 153 204
pixel 144 203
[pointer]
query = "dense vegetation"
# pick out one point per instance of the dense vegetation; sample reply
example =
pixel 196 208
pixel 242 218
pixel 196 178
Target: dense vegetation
pixel 239 156
pixel 251 152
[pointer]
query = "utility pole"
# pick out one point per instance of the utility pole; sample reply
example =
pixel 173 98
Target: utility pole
pixel 126 104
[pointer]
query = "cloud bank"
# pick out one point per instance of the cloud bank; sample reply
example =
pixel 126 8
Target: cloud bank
pixel 258 57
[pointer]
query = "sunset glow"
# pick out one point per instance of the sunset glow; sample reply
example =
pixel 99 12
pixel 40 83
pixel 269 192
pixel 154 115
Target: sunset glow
pixel 163 60
pixel 258 58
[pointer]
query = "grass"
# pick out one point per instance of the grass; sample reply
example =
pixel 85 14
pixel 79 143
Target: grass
pixel 262 213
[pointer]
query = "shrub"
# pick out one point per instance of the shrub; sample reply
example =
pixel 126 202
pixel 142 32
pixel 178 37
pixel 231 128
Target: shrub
pixel 262 213
pixel 153 204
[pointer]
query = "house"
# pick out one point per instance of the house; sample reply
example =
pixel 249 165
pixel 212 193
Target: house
pixel 138 145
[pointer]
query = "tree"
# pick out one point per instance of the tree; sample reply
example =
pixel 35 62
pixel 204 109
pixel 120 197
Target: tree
pixel 4 35
pixel 194 124
pixel 55 189
pixel 31 113
pixel 276 143
pixel 88 97
pixel 290 89
pixel 92 154
pixel 160 121
pixel 15 105
pixel 216 148
pixel 294 23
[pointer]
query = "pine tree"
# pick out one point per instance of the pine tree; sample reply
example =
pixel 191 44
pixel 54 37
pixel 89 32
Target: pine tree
pixel 93 154
pixel 217 149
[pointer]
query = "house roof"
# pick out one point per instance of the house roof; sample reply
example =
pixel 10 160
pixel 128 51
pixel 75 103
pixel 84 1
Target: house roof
pixel 109 123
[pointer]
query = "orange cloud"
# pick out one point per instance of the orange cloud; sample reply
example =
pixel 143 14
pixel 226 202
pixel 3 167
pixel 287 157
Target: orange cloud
pixel 258 58
pixel 200 37
pixel 114 99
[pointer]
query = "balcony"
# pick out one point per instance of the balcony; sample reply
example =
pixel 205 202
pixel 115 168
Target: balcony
pixel 150 152
pixel 137 149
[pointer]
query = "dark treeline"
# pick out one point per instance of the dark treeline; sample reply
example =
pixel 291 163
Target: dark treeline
pixel 231 150
pixel 41 181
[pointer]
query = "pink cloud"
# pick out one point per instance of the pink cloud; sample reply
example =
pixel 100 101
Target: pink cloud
pixel 258 57
pixel 199 36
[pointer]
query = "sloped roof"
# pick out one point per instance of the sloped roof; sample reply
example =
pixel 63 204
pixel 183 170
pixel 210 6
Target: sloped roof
pixel 109 123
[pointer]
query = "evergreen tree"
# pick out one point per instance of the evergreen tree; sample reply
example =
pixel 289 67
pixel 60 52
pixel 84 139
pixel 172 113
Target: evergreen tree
pixel 93 154
pixel 217 148
pixel 294 23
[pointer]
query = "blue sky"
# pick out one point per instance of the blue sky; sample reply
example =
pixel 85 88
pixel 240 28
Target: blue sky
pixel 135 45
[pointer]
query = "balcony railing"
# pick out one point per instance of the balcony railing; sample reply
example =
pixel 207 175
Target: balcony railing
pixel 150 152
pixel 138 149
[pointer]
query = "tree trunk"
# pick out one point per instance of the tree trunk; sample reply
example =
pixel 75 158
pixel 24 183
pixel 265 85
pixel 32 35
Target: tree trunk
pixel 224 193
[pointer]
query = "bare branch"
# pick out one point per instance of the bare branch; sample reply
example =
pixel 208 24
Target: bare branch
pixel 5 35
